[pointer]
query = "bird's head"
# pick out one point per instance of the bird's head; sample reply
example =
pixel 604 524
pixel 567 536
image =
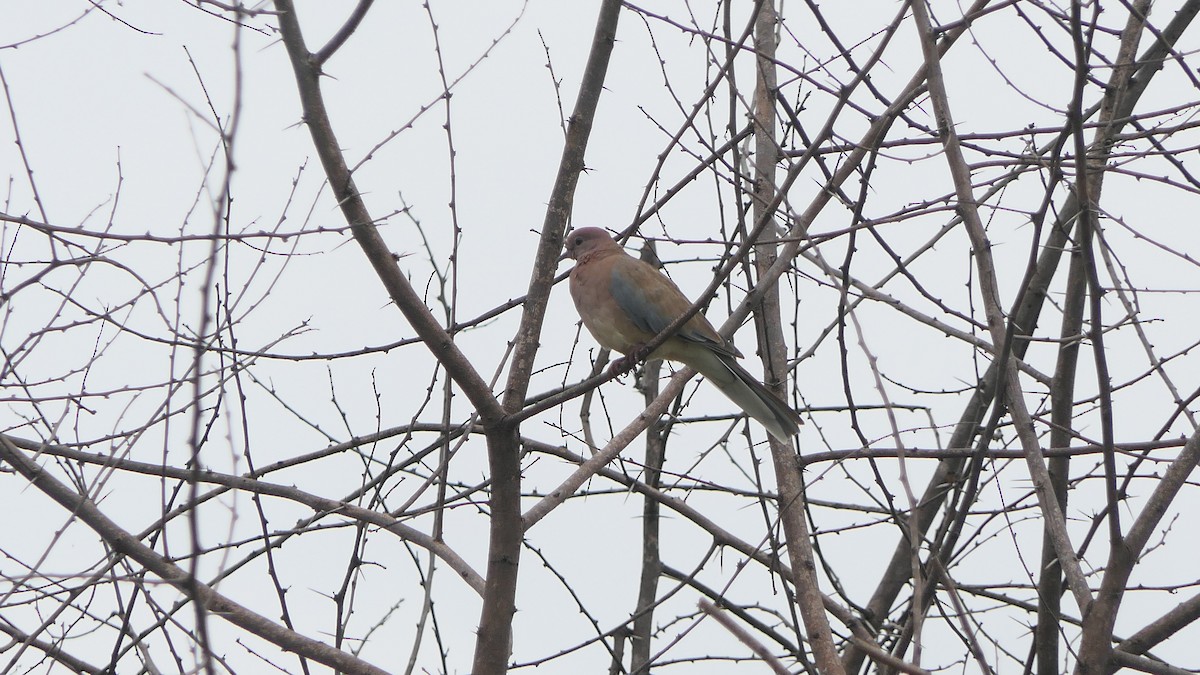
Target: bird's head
pixel 585 240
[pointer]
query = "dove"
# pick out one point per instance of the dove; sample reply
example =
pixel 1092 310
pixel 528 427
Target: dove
pixel 625 302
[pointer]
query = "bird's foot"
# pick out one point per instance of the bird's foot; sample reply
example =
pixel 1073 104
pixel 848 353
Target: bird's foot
pixel 621 366
pixel 627 362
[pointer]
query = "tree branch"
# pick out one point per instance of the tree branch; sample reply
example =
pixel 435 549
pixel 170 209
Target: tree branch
pixel 215 603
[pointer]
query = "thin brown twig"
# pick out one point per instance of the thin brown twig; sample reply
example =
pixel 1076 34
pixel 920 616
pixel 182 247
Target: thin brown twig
pixel 214 602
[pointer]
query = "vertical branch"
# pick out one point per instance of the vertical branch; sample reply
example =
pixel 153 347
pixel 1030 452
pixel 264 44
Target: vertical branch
pixel 656 449
pixel 773 348
pixel 494 644
pixel 450 307
pixel 197 434
pixel 1096 644
pixel 1062 397
pixel 1088 165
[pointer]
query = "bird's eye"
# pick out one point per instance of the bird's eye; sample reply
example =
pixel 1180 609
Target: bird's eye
pixel 578 241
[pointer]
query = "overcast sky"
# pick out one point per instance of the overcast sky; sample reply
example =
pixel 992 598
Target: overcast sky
pixel 115 113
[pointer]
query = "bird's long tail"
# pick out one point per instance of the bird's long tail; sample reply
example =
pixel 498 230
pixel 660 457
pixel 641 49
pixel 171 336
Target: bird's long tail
pixel 750 395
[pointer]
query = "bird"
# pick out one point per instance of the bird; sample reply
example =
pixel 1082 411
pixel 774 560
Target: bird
pixel 625 302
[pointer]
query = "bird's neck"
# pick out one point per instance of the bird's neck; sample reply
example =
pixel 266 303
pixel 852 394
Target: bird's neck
pixel 599 254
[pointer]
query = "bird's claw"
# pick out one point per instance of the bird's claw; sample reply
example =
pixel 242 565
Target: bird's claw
pixel 627 362
pixel 619 367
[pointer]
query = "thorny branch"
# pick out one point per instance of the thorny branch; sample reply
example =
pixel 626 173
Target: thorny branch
pixel 359 472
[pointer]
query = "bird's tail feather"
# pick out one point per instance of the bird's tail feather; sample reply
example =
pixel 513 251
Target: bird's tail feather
pixel 753 397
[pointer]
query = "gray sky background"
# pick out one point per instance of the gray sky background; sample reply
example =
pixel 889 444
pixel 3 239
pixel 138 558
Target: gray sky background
pixel 115 125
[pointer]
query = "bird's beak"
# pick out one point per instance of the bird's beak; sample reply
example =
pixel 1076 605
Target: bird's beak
pixel 565 255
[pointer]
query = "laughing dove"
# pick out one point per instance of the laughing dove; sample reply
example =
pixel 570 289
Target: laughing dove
pixel 625 302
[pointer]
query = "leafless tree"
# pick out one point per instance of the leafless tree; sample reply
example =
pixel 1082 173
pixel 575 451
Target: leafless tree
pixel 960 239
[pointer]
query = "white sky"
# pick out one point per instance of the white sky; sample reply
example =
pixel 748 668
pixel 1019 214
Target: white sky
pixel 115 125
